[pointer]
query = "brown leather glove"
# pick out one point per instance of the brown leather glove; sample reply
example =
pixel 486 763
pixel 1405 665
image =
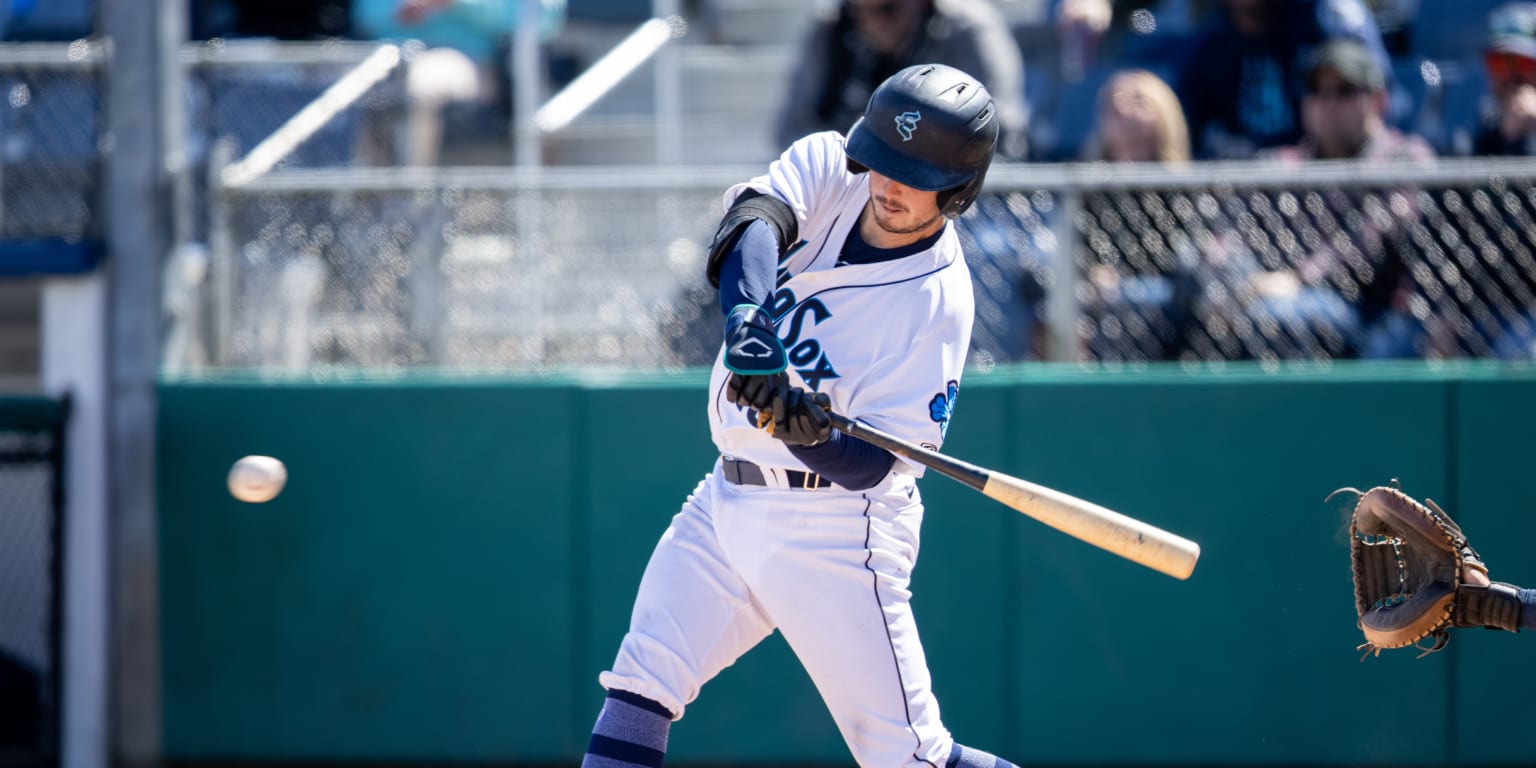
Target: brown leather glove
pixel 1417 577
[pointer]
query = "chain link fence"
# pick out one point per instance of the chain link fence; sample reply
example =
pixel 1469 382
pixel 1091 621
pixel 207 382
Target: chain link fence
pixel 50 129
pixel 337 257
pixel 416 268
pixel 1269 262
pixel 30 584
pixel 498 269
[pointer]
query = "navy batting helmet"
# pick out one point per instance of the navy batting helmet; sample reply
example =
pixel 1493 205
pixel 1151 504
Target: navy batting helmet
pixel 930 127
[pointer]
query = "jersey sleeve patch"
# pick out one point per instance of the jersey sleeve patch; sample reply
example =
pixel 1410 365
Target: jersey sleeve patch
pixel 942 407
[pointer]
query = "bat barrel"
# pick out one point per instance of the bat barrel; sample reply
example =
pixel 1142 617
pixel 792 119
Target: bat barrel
pixel 1106 529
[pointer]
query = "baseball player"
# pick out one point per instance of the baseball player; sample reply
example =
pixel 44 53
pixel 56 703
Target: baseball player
pixel 845 287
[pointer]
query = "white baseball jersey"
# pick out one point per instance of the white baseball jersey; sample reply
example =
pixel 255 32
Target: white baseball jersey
pixel 887 342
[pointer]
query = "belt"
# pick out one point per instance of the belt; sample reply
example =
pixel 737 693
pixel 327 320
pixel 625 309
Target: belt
pixel 746 473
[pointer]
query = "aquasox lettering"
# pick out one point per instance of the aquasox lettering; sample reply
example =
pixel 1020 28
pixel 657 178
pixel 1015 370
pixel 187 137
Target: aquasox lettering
pixel 805 353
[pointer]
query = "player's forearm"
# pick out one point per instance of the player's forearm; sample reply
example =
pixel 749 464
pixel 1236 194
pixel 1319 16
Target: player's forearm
pixel 847 461
pixel 747 272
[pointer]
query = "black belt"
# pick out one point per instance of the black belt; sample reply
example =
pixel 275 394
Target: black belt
pixel 746 473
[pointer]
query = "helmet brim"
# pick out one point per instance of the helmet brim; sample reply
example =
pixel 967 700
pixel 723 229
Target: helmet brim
pixel 871 151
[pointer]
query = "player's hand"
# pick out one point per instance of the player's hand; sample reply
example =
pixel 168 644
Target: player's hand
pixel 755 357
pixel 757 392
pixel 800 417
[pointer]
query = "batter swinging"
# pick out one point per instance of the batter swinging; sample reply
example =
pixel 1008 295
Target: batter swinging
pixel 848 289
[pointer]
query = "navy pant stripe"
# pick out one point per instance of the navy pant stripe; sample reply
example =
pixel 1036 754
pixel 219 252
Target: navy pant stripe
pixel 625 752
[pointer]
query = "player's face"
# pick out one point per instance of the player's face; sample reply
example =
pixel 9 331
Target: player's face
pixel 900 212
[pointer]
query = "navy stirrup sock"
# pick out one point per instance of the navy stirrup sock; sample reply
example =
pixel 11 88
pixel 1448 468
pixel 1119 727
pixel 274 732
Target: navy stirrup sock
pixel 965 757
pixel 630 731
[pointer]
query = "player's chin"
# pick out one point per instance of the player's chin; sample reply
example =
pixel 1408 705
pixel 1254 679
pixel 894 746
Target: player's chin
pixel 904 224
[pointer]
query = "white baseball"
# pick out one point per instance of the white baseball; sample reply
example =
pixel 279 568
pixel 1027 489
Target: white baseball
pixel 256 479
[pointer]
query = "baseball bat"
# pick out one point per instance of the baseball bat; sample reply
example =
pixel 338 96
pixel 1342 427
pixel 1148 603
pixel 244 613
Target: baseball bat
pixel 1104 528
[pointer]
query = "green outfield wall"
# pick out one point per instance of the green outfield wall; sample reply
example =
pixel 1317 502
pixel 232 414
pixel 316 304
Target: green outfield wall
pixel 452 563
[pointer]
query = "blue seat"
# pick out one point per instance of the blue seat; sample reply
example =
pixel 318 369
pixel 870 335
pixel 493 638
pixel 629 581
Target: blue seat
pixel 1443 29
pixel 55 20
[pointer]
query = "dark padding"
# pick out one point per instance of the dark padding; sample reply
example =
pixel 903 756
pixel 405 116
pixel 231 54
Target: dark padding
pixel 751 206
pixel 1496 606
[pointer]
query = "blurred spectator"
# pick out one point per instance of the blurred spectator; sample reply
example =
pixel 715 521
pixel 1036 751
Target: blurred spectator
pixel 1089 29
pixel 277 19
pixel 1343 113
pixel 1510 59
pixel 1096 17
pixel 1241 84
pixel 1343 110
pixel 1395 20
pixel 862 42
pixel 463 60
pixel 21 711
pixel 1139 119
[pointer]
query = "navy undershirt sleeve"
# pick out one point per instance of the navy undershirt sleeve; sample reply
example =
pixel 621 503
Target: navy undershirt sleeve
pixel 747 273
pixel 847 461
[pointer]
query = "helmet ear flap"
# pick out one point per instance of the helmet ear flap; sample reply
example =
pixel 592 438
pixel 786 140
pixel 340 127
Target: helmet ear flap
pixel 955 200
pixel 949 204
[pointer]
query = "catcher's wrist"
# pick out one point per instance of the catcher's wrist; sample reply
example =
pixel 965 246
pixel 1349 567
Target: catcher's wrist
pixel 1496 606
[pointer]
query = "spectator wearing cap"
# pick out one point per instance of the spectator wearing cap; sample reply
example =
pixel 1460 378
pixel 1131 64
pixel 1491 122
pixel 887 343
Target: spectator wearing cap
pixel 1241 84
pixel 1510 59
pixel 1343 110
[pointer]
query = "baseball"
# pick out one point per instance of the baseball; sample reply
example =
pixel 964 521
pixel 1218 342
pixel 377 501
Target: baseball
pixel 256 479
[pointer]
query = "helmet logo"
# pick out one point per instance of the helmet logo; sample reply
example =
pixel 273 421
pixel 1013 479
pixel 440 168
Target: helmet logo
pixel 906 123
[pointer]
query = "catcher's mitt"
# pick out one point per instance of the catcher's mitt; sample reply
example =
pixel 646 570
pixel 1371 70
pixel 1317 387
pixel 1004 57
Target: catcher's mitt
pixel 1416 576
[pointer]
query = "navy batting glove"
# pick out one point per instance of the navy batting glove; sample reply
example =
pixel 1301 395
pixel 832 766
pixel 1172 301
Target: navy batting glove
pixel 755 357
pixel 800 417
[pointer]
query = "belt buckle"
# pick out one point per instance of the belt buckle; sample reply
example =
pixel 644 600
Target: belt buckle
pixel 807 484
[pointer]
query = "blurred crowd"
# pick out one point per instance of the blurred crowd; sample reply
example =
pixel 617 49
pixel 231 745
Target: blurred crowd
pixel 1348 271
pixel 1460 76
pixel 1074 79
pixel 1124 81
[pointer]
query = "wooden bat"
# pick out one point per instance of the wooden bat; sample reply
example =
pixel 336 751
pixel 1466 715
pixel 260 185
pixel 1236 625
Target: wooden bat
pixel 1104 528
